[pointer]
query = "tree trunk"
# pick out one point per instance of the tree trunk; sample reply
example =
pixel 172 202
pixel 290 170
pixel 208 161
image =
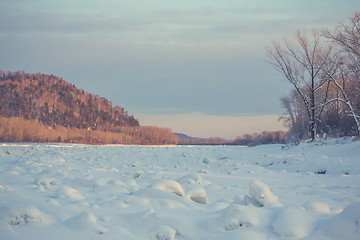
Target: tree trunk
pixel 312 108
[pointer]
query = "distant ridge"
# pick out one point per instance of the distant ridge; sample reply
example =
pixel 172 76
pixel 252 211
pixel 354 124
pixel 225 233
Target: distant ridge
pixel 188 140
pixel 181 135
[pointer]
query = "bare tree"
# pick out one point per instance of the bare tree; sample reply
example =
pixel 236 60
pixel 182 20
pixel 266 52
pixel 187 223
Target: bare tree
pixel 344 99
pixel 347 38
pixel 346 63
pixel 300 62
pixel 348 35
pixel 296 119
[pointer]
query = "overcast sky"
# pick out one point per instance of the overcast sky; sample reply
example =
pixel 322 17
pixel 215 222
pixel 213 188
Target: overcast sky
pixel 197 67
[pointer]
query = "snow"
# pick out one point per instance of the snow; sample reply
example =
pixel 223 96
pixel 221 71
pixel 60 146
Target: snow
pixel 69 192
pixel 347 221
pixel 168 185
pixel 85 222
pixel 314 206
pixel 164 232
pixel 197 194
pixel 293 222
pixel 260 195
pixel 59 191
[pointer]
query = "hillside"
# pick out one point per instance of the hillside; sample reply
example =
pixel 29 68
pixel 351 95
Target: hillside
pixel 54 106
pixel 53 101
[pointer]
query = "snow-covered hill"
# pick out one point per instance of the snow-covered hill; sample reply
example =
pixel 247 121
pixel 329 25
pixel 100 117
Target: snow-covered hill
pixel 52 191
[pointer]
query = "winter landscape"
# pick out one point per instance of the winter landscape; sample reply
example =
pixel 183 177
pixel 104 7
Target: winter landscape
pixel 65 191
pixel 179 120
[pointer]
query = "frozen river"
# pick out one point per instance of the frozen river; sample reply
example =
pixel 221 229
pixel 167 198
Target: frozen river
pixel 55 191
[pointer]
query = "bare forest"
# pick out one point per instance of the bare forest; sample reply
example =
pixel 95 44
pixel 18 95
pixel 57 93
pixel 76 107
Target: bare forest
pixel 324 70
pixel 45 108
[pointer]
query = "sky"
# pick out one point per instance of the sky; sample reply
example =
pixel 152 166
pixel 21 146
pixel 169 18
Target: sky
pixel 198 67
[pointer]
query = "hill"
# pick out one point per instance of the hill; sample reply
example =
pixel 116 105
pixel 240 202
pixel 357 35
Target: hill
pixel 53 101
pixel 33 99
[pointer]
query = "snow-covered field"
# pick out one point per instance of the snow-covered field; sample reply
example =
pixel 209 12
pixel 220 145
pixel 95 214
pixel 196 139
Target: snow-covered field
pixel 55 191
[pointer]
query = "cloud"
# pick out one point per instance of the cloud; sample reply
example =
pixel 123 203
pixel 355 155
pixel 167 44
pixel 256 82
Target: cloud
pixel 194 23
pixel 162 22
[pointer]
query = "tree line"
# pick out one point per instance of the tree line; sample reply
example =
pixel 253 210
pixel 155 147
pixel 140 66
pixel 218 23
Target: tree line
pixel 324 69
pixel 17 129
pixel 265 137
pixel 254 139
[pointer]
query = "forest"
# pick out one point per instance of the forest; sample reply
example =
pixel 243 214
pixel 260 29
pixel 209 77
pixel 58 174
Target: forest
pixel 44 108
pixel 323 67
pixel 53 101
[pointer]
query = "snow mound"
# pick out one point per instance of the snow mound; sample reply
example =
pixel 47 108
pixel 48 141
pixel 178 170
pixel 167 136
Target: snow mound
pixel 16 216
pixel 293 223
pixel 197 194
pixel 236 216
pixel 69 192
pixel 169 185
pixel 318 207
pixel 138 174
pixel 45 183
pixel 164 232
pixel 345 225
pixel 53 201
pixel 260 195
pixel 193 178
pixel 86 222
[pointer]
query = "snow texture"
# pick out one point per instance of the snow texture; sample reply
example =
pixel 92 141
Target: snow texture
pixel 169 185
pixel 19 215
pixel 260 195
pixel 63 191
pixel 293 222
pixel 347 221
pixel 85 222
pixel 69 192
pixel 197 194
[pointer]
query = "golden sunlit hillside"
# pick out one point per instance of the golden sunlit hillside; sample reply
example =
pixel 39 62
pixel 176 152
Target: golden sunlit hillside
pixel 45 108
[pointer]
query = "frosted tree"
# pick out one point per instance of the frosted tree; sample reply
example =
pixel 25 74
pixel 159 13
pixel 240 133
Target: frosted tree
pixel 348 35
pixel 345 65
pixel 339 79
pixel 300 61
